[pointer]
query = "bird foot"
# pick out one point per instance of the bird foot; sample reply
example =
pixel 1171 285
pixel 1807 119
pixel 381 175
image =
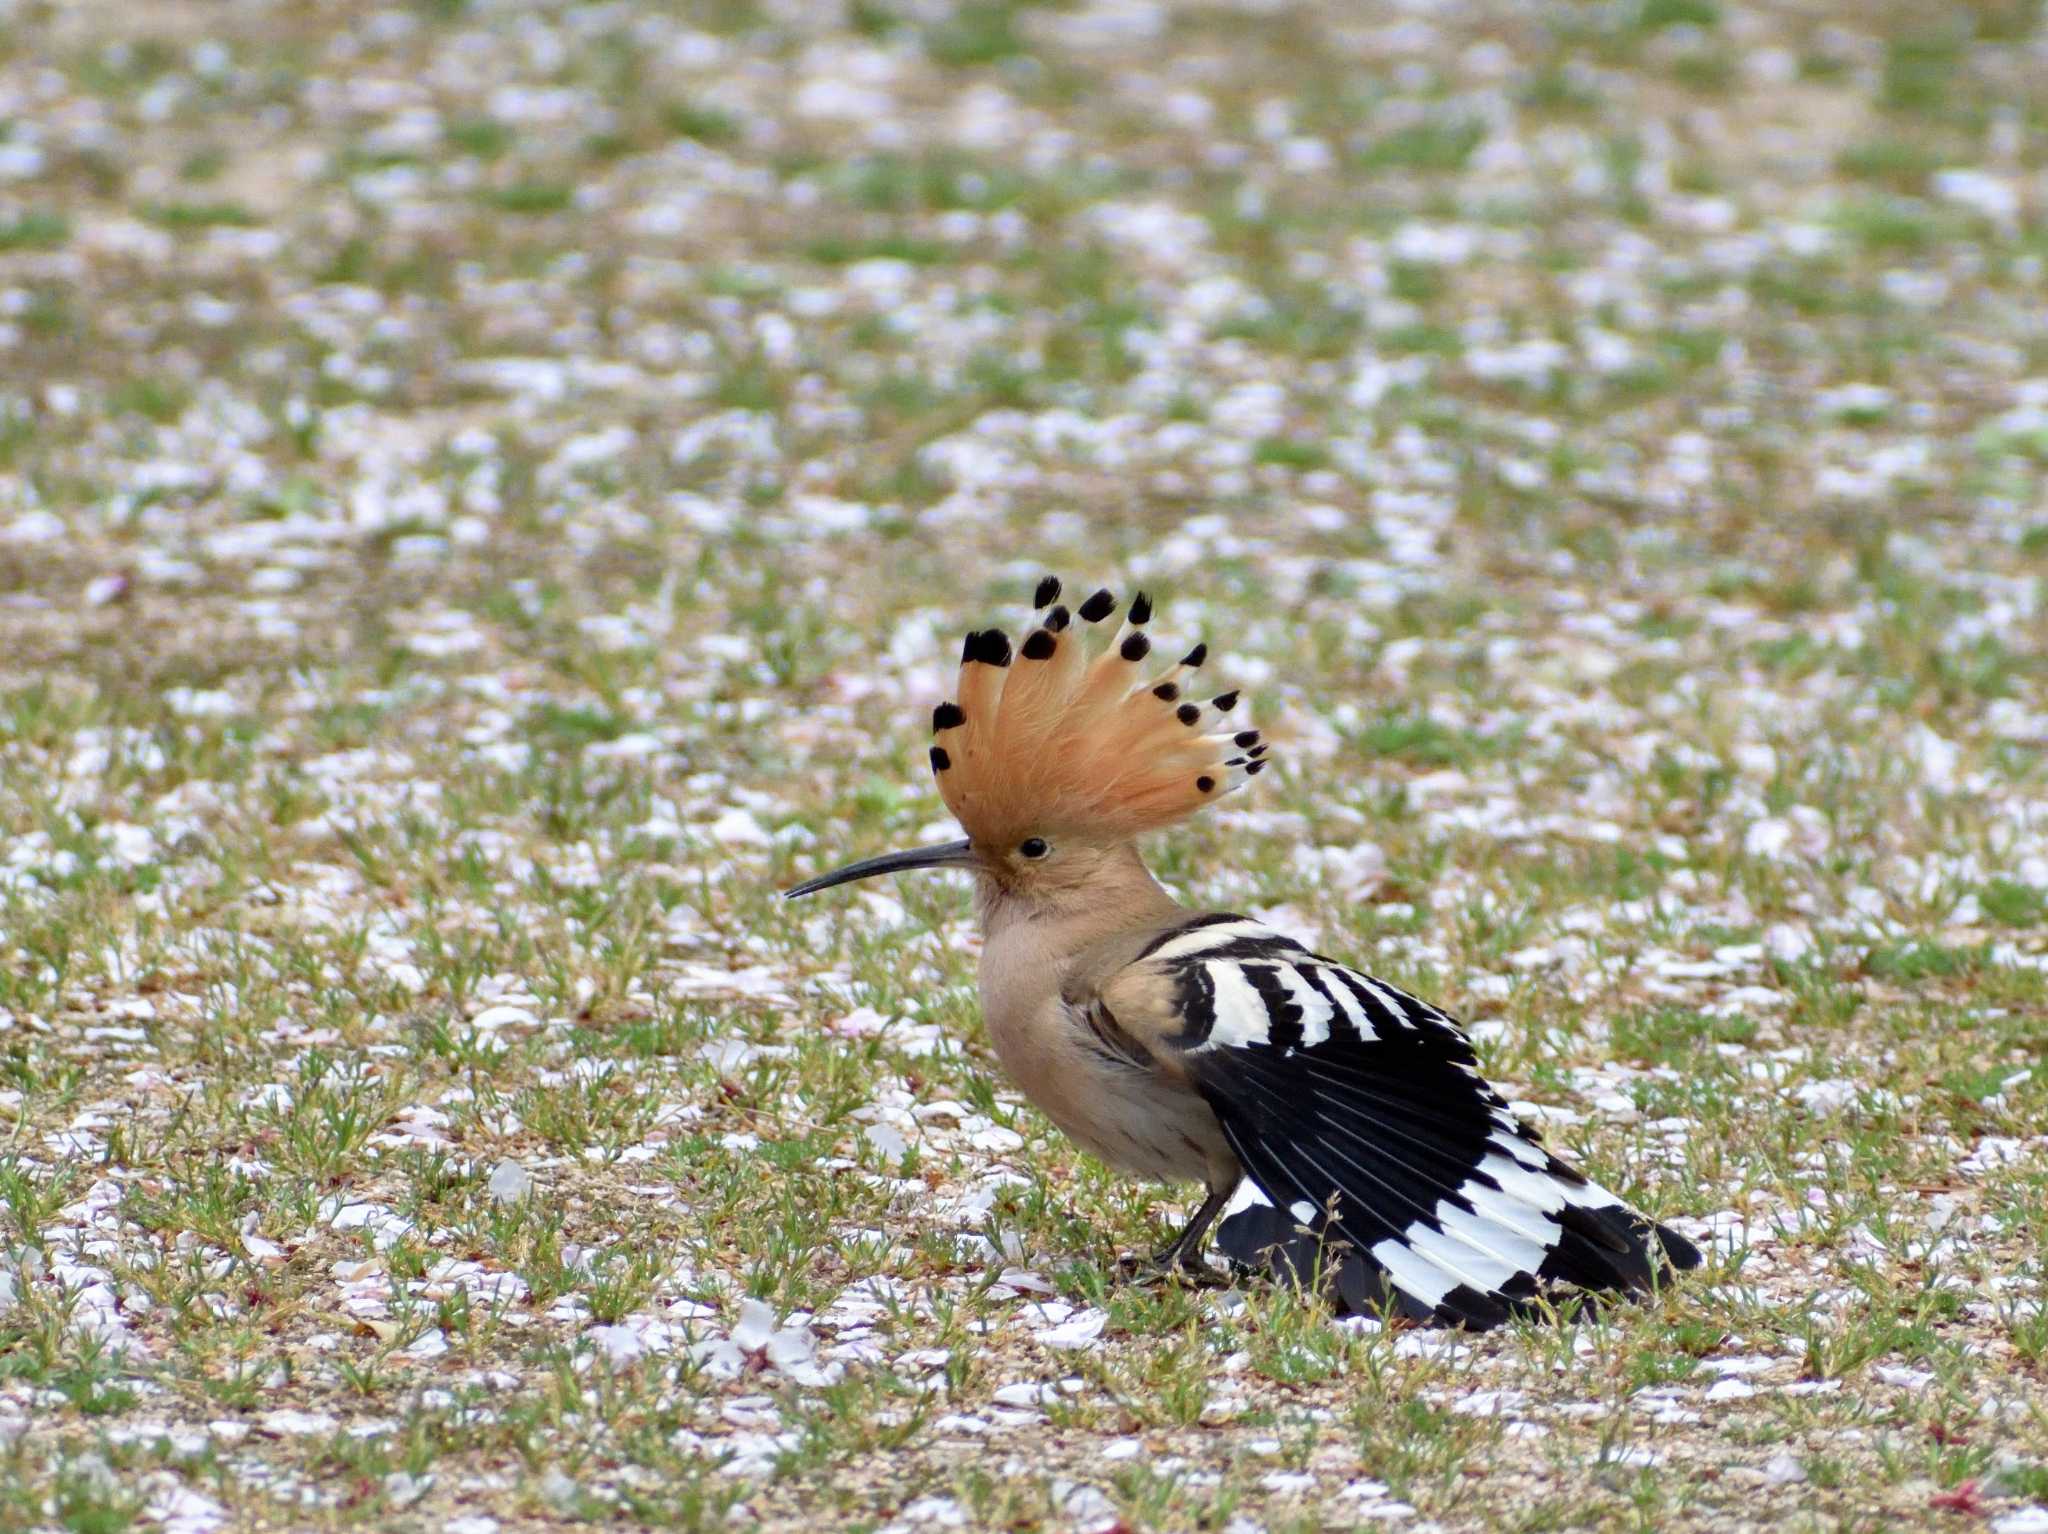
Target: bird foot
pixel 1169 1264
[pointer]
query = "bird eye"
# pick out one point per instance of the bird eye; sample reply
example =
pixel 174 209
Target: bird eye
pixel 1034 847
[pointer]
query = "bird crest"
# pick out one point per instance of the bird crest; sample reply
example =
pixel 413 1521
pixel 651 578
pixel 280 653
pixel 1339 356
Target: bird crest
pixel 1072 732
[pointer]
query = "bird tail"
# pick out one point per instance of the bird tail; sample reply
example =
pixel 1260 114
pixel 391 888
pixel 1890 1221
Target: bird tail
pixel 1594 1248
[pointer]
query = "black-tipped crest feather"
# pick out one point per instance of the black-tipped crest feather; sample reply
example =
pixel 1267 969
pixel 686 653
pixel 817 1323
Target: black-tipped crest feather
pixel 1075 739
pixel 989 647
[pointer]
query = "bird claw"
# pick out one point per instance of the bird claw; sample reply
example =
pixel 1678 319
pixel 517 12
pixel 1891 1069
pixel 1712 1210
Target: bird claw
pixel 1185 1266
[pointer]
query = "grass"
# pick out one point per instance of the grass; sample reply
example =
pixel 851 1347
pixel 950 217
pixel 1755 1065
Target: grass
pixel 489 498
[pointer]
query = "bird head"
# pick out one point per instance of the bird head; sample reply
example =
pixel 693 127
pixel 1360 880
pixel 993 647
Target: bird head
pixel 1057 752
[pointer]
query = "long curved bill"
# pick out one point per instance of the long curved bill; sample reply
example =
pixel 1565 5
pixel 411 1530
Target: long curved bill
pixel 944 855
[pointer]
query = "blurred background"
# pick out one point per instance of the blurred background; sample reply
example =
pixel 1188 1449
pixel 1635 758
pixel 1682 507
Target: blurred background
pixel 364 295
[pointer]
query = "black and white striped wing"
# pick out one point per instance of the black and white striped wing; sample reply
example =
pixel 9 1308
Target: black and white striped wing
pixel 1359 1113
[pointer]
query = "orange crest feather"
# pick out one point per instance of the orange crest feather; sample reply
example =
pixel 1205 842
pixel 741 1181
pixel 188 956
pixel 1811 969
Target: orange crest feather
pixel 1049 739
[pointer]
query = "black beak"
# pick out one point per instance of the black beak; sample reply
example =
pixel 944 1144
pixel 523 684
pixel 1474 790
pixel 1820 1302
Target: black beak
pixel 945 855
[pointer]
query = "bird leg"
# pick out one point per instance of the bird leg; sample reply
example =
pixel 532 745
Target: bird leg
pixel 1184 1253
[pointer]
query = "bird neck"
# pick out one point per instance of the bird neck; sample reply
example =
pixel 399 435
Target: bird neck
pixel 1029 941
pixel 1116 894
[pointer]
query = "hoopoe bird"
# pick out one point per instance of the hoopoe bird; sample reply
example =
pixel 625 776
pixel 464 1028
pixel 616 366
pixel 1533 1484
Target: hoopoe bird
pixel 1339 1126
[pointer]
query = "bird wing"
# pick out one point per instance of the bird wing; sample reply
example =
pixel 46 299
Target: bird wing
pixel 1359 1114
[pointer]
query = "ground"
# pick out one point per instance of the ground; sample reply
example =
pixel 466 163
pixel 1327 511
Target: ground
pixel 490 491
